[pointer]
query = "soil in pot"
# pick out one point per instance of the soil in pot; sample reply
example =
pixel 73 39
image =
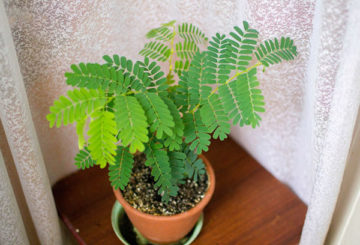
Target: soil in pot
pixel 142 195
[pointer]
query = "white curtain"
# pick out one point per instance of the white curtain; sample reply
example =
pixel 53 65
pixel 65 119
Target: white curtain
pixel 335 77
pixel 311 102
pixel 11 224
pixel 21 137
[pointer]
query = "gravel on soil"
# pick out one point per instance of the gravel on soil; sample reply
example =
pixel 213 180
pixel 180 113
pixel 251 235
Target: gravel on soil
pixel 142 195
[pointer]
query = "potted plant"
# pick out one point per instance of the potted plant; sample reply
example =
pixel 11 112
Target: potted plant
pixel 133 110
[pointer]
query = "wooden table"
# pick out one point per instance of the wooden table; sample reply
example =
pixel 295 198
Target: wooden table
pixel 249 205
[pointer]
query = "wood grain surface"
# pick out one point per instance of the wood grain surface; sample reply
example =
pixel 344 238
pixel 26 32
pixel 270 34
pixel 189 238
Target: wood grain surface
pixel 249 205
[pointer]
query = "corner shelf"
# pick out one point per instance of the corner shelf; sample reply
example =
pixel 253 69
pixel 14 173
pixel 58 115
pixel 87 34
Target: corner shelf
pixel 249 205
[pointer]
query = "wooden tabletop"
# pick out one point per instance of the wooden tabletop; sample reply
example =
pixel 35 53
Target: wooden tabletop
pixel 249 205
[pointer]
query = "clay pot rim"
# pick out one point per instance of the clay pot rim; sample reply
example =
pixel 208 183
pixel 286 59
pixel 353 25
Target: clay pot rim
pixel 200 206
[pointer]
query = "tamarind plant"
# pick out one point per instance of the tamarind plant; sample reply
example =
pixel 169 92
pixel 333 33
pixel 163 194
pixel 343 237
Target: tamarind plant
pixel 132 107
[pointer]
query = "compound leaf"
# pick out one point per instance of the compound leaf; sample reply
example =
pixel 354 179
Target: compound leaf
pixel 194 166
pixel 120 172
pixel 96 76
pixel 162 33
pixel 158 160
pixel 215 118
pixel 79 103
pixel 241 46
pixel 83 159
pixel 177 165
pixel 158 114
pixel 250 99
pixel 196 133
pixel 102 131
pixel 186 50
pixel 192 33
pixel 174 142
pixel 218 66
pixel 273 52
pixel 156 50
pixel 134 75
pixel 131 123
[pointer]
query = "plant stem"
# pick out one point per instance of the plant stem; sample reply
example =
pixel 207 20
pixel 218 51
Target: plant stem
pixel 228 81
pixel 172 50
pixel 110 99
pixel 132 92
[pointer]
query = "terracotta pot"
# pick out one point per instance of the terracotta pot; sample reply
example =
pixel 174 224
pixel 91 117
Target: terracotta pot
pixel 168 229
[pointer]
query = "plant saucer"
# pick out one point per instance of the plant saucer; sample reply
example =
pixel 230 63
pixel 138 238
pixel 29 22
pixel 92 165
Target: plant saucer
pixel 130 236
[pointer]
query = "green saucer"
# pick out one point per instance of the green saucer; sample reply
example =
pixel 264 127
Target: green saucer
pixel 130 236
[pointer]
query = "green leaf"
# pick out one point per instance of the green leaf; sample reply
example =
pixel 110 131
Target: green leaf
pixel 218 64
pixel 96 76
pixel 192 33
pixel 182 95
pixel 231 101
pixel 162 33
pixel 197 77
pixel 186 50
pixel 80 132
pixel 134 75
pixel 120 172
pixel 102 131
pixel 181 66
pixel 194 166
pixel 271 52
pixel 251 100
pixel 215 118
pixel 108 59
pixel 241 47
pixel 79 103
pixel 242 99
pixel 170 79
pixel 170 23
pixel 196 133
pixel 177 165
pixel 191 90
pixel 158 114
pixel 157 80
pixel 83 159
pixel 158 160
pixel 131 123
pixel 156 50
pixel 174 142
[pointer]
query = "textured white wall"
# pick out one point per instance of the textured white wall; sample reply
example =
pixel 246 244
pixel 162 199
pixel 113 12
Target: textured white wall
pixel 51 35
pixel 278 143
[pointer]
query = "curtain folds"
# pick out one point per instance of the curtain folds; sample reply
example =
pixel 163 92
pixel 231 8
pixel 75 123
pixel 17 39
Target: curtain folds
pixel 311 102
pixel 336 41
pixel 11 225
pixel 20 133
